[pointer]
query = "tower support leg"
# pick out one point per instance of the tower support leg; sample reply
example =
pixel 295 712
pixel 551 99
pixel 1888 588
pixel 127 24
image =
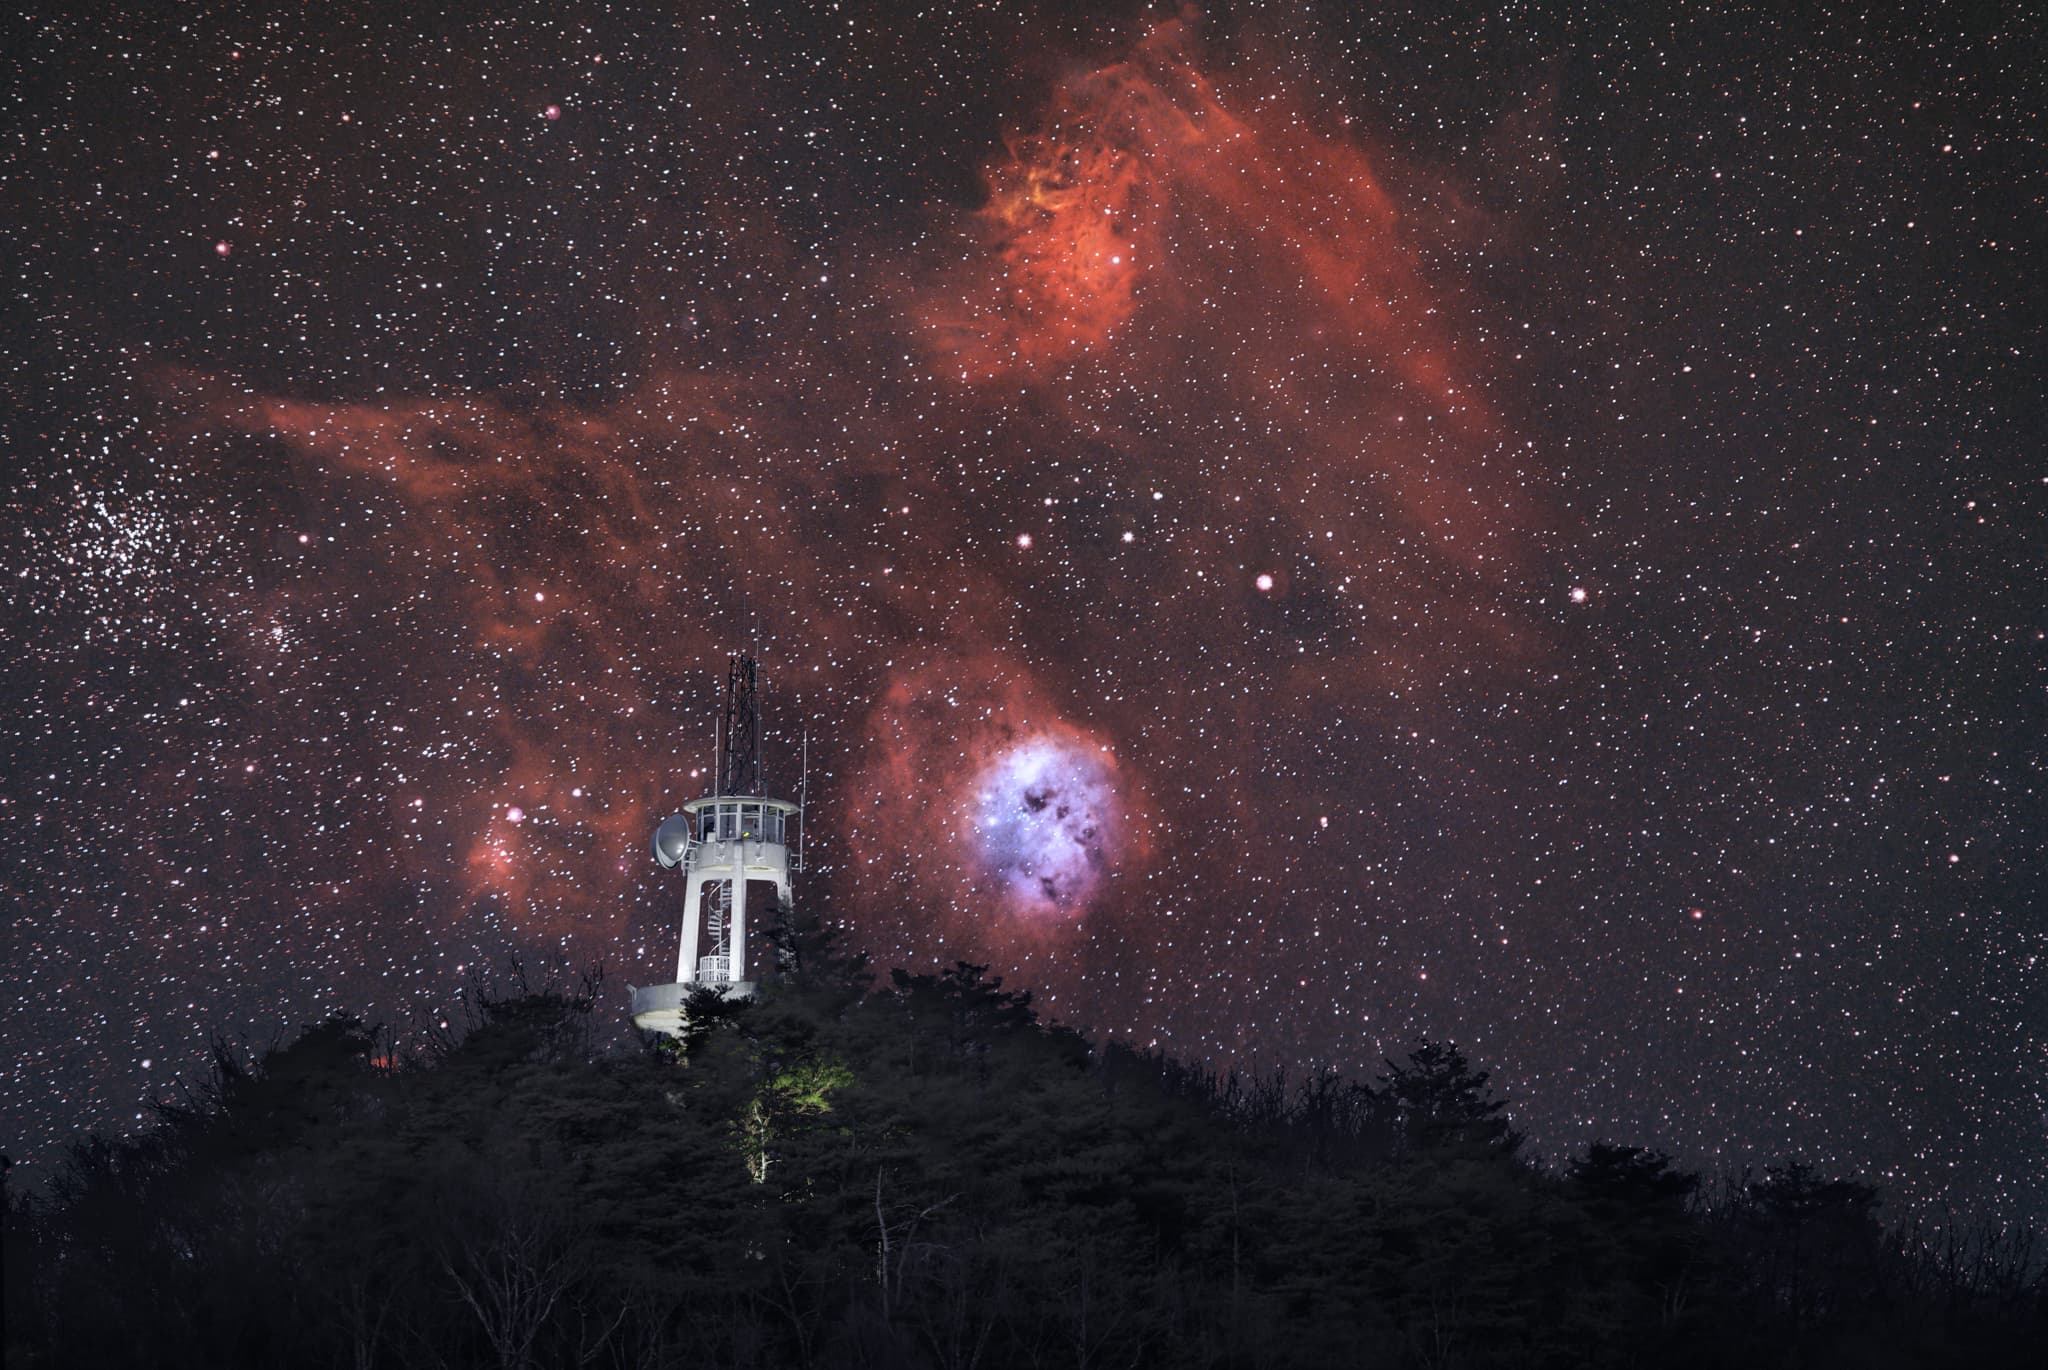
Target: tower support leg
pixel 736 956
pixel 693 928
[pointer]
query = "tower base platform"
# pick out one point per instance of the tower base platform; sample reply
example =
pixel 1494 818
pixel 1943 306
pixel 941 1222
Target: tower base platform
pixel 662 1008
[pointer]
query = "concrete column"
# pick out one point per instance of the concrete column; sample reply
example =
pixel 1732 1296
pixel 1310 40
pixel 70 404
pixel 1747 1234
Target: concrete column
pixel 693 927
pixel 736 960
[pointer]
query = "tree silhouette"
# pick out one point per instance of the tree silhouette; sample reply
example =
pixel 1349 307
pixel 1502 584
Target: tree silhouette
pixel 1442 1101
pixel 930 1176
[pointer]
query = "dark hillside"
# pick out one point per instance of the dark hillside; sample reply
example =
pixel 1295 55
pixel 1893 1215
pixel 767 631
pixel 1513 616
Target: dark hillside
pixel 926 1175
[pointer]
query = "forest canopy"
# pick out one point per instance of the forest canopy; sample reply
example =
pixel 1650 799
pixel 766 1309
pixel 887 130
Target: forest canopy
pixel 921 1172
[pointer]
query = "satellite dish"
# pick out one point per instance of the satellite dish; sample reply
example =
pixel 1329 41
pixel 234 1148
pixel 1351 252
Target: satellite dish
pixel 671 841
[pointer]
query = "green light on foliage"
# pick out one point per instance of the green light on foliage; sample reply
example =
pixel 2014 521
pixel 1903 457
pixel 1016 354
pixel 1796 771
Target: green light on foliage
pixel 808 1085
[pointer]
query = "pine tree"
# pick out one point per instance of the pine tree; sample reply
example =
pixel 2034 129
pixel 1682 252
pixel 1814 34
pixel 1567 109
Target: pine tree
pixel 1443 1102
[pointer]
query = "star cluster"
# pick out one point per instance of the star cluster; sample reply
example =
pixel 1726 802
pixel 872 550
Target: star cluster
pixel 1284 529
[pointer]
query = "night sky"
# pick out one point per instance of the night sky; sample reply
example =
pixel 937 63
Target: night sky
pixel 1288 529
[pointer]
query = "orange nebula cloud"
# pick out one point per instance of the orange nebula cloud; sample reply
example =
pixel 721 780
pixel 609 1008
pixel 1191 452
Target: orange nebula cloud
pixel 1065 224
pixel 1157 224
pixel 1191 450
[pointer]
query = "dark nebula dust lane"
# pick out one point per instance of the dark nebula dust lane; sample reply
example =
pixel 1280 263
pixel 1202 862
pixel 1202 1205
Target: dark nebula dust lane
pixel 1284 532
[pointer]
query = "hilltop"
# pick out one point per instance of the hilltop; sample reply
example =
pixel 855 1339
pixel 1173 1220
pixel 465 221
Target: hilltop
pixel 923 1173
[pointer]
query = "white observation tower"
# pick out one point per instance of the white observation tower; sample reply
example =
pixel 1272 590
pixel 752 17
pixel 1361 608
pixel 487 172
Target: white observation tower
pixel 733 848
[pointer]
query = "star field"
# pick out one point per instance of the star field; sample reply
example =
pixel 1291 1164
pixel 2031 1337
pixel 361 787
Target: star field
pixel 1516 524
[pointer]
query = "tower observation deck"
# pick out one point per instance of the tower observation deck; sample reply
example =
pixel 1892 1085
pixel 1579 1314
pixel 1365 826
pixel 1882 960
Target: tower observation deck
pixel 732 847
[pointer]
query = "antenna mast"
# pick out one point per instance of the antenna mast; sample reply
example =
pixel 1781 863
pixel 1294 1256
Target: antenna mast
pixel 740 772
pixel 803 797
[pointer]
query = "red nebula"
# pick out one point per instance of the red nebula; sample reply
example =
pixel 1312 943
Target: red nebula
pixel 1184 346
pixel 1158 232
pixel 932 827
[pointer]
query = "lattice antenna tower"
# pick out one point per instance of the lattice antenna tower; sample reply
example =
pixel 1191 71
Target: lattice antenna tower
pixel 733 850
pixel 740 767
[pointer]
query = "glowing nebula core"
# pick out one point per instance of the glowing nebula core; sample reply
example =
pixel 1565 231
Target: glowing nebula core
pixel 988 821
pixel 1043 826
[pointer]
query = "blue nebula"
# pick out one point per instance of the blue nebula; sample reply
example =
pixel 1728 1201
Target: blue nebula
pixel 1042 821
